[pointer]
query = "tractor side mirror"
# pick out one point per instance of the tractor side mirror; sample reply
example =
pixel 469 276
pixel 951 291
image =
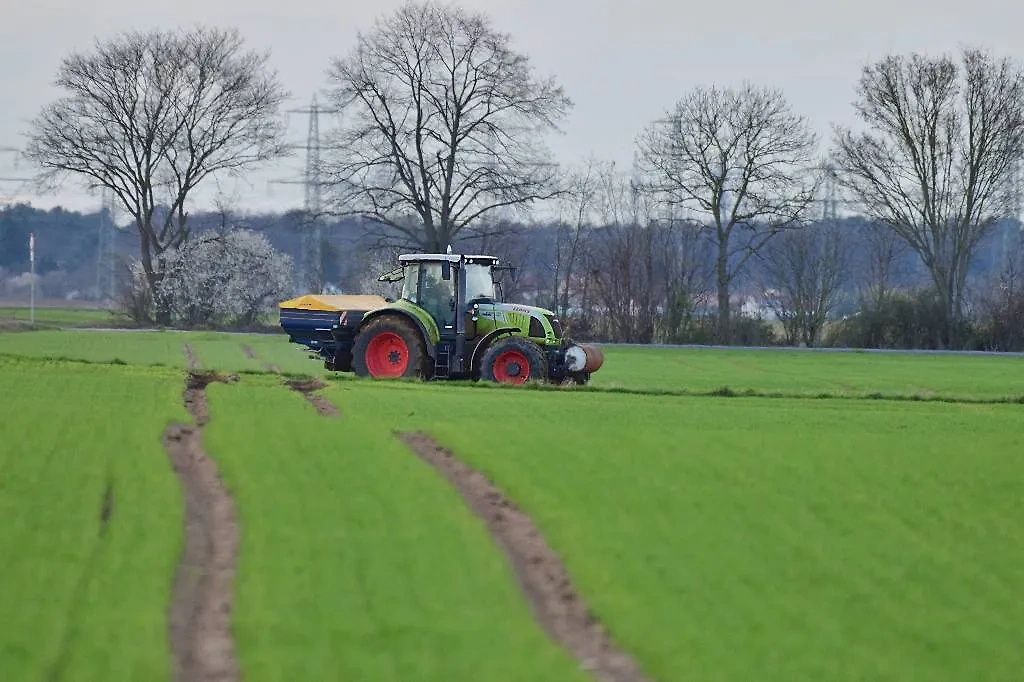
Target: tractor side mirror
pixel 395 275
pixel 446 270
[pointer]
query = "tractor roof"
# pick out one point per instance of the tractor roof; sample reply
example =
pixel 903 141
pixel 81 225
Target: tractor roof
pixel 450 257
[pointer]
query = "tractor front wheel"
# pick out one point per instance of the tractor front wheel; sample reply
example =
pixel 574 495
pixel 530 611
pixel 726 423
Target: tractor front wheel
pixel 513 360
pixel 389 348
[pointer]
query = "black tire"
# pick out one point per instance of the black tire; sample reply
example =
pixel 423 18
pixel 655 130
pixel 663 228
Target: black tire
pixel 369 358
pixel 503 361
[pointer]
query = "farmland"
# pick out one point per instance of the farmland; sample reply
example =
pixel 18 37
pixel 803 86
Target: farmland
pixel 805 528
pixel 91 520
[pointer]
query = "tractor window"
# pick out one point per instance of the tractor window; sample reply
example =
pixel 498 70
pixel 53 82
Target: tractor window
pixel 411 283
pixel 479 283
pixel 436 295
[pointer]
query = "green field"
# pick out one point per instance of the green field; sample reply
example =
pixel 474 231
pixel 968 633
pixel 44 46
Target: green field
pixel 346 530
pixel 770 536
pixel 163 348
pixel 837 540
pixel 76 587
pixel 58 316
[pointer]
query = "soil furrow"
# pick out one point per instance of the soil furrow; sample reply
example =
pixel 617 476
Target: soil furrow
pixel 251 354
pixel 542 577
pixel 202 645
pixel 191 359
pixel 308 388
pixel 59 667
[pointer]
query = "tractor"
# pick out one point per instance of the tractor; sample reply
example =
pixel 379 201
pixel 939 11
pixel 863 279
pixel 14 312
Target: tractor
pixel 448 323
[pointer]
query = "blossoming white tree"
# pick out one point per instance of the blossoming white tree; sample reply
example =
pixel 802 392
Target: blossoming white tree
pixel 222 278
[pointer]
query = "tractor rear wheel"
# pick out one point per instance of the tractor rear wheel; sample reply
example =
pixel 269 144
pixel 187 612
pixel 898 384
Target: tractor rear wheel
pixel 513 360
pixel 388 348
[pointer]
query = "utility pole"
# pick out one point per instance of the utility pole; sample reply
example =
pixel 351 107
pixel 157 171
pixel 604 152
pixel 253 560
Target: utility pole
pixel 310 275
pixel 32 275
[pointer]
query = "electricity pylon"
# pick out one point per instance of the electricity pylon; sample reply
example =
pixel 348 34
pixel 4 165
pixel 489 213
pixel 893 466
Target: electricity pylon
pixel 310 271
pixel 105 248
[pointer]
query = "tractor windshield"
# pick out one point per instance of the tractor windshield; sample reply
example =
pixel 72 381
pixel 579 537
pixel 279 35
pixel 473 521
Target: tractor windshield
pixel 479 283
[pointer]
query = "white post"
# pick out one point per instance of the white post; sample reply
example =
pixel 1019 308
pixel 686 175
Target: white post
pixel 32 270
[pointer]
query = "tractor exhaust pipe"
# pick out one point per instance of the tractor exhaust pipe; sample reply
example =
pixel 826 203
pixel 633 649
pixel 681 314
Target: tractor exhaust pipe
pixel 583 357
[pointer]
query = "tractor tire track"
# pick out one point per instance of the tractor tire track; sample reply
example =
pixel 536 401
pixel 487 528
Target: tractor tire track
pixel 542 577
pixel 59 666
pixel 251 354
pixel 191 360
pixel 308 388
pixel 201 641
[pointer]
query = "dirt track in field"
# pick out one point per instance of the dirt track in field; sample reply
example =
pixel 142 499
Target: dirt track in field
pixel 202 645
pixel 251 354
pixel 190 357
pixel 307 387
pixel 541 575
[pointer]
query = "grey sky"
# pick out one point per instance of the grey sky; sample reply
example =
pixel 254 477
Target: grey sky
pixel 623 63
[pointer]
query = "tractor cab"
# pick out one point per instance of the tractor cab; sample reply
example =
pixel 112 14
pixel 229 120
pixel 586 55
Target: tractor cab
pixel 445 285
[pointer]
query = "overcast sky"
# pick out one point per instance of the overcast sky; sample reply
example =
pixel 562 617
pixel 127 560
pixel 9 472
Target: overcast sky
pixel 623 63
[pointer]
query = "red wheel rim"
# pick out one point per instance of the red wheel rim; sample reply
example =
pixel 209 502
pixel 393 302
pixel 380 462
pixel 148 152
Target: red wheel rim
pixel 387 355
pixel 511 367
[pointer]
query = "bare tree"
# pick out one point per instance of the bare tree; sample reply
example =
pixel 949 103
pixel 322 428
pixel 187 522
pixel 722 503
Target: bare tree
pixel 444 122
pixel 1001 305
pixel 742 161
pixel 620 257
pixel 683 263
pixel 933 165
pixel 152 115
pixel 883 252
pixel 581 203
pixel 803 274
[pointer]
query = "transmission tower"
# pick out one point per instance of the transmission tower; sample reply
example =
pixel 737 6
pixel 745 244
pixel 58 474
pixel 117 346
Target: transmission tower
pixel 105 249
pixel 12 179
pixel 310 270
pixel 830 200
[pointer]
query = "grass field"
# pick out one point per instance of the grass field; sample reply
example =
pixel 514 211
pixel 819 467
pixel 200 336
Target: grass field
pixel 163 348
pixel 57 316
pixel 77 588
pixel 653 370
pixel 346 530
pixel 737 539
pixel 795 372
pixel 718 538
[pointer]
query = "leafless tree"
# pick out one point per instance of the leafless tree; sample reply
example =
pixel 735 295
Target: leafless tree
pixel 884 253
pixel 150 116
pixel 942 138
pixel 683 261
pixel 443 125
pixel 1001 305
pixel 742 161
pixel 579 208
pixel 620 257
pixel 802 276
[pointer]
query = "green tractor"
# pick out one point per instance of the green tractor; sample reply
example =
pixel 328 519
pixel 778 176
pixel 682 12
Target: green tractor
pixel 448 323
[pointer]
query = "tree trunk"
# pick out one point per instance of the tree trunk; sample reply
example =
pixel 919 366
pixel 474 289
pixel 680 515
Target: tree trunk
pixel 722 282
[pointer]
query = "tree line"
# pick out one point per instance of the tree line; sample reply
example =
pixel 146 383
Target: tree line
pixel 441 141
